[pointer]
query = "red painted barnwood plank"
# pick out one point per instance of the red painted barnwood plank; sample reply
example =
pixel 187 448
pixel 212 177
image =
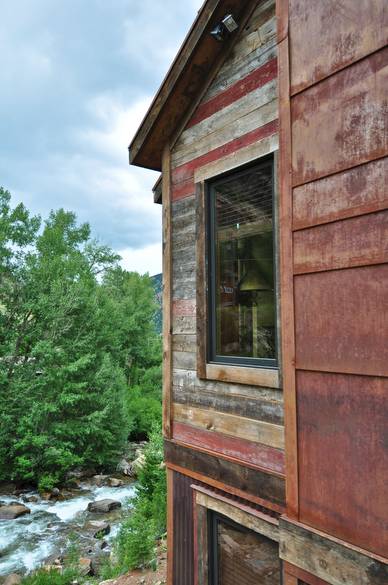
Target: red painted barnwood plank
pixel 186 171
pixel 362 189
pixel 252 453
pixel 258 78
pixel 181 190
pixel 341 321
pixel 341 122
pixel 357 241
pixel 184 308
pixel 342 32
pixel 343 456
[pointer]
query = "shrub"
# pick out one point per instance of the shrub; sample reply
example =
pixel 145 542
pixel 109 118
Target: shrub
pixel 54 577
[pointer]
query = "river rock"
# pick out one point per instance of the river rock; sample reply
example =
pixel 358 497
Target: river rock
pixel 100 480
pixel 103 506
pixel 114 482
pixel 13 579
pixel 32 499
pixel 125 468
pixel 86 567
pixel 139 463
pixel 98 528
pixel 13 510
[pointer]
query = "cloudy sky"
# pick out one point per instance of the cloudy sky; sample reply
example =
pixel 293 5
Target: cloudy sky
pixel 76 78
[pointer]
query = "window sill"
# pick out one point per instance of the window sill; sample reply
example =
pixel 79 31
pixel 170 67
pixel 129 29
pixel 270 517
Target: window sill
pixel 266 377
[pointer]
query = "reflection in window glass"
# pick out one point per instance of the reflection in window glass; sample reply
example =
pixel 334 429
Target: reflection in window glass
pixel 242 265
pixel 245 558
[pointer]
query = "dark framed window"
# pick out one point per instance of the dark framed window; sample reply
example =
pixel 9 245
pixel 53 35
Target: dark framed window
pixel 241 268
pixel 239 556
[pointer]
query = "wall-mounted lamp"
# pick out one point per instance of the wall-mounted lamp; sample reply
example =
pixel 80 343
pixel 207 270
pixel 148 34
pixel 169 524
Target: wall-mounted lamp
pixel 225 27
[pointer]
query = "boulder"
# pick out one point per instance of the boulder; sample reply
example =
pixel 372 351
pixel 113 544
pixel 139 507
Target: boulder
pixel 86 567
pixel 99 480
pixel 32 499
pixel 13 510
pixel 103 506
pixel 139 463
pixel 98 528
pixel 114 482
pixel 13 579
pixel 125 468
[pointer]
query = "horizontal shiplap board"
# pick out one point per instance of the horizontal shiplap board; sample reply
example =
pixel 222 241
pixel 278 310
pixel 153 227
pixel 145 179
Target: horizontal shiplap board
pixel 182 342
pixel 258 485
pixel 188 379
pixel 358 241
pixel 237 127
pixel 251 51
pixel 249 429
pixel 329 559
pixel 254 406
pixel 238 158
pixel 362 189
pixel 226 116
pixel 256 454
pixel 186 325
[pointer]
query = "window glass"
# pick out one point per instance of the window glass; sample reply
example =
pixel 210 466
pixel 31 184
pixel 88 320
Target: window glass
pixel 242 266
pixel 244 557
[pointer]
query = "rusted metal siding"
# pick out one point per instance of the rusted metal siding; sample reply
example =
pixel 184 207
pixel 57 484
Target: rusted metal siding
pixel 331 34
pixel 183 530
pixel 334 116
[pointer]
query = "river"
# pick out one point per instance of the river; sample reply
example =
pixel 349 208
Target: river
pixel 25 543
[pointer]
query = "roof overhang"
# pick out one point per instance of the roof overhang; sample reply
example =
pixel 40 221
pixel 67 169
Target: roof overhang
pixel 184 82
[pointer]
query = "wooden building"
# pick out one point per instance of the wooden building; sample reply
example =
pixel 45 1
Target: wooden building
pixel 271 134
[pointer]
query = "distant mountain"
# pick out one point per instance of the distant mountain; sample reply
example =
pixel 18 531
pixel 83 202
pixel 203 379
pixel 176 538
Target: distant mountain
pixel 158 286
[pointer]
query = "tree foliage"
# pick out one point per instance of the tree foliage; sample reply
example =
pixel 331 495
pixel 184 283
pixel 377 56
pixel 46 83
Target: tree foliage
pixel 77 343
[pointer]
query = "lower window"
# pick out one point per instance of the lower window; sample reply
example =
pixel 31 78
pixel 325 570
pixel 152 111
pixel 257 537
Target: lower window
pixel 238 556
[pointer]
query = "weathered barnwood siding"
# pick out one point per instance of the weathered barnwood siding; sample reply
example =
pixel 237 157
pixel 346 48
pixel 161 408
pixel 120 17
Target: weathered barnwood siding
pixel 234 123
pixel 334 125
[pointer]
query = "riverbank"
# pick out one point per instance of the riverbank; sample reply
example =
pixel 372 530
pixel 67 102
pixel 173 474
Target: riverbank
pixel 43 535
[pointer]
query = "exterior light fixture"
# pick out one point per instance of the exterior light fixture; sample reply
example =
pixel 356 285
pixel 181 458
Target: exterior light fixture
pixel 225 27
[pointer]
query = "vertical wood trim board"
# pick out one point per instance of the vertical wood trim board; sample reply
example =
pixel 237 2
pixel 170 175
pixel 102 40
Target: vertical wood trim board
pixel 201 280
pixel 167 292
pixel 286 281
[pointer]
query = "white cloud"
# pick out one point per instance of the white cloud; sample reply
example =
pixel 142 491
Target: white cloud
pixel 147 259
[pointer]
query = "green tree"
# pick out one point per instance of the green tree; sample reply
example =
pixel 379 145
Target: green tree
pixel 75 330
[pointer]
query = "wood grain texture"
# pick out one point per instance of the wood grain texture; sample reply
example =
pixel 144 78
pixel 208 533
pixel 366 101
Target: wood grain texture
pixel 352 128
pixel 254 406
pixel 238 158
pixel 359 190
pixel 302 577
pixel 201 282
pixel 343 453
pixel 242 515
pixel 229 424
pixel 167 294
pixel 186 171
pixel 254 454
pixel 259 113
pixel 342 321
pixel 243 375
pixel 357 241
pixel 343 33
pixel 255 46
pixel 286 281
pixel 254 80
pixel 328 558
pixel 251 484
